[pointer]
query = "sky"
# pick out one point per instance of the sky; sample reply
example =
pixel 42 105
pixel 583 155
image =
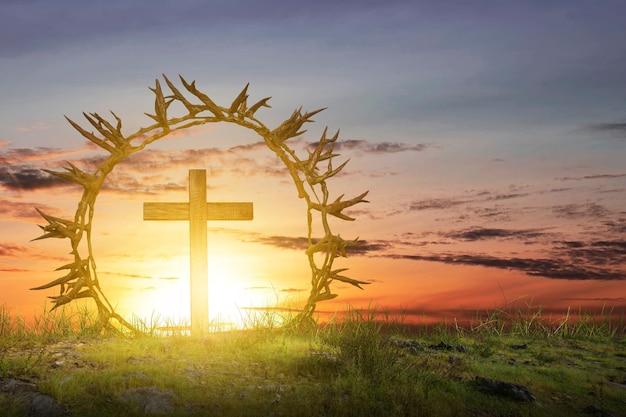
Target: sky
pixel 491 137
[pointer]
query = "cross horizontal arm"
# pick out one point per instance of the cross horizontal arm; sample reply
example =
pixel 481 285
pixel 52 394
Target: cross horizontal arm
pixel 180 211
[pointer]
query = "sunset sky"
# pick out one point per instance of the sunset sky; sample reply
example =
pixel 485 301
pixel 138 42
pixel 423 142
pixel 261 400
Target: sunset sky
pixel 491 136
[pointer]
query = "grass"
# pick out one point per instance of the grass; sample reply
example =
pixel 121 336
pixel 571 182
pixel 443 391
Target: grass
pixel 366 363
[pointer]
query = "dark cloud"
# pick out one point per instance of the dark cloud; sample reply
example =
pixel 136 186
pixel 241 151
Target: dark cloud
pixel 610 126
pixel 7 249
pixel 591 177
pixel 144 172
pixel 24 178
pixel 284 242
pixel 124 183
pixel 597 253
pixel 613 190
pixel 301 243
pixel 574 210
pixel 23 155
pixel 361 213
pixel 617 226
pixel 566 259
pixel 26 211
pixel 436 204
pixel 479 233
pixel 483 202
pixel 618 129
pixel 571 244
pixel 615 244
pixel 156 160
pixel 18 173
pixel 549 268
pixel 239 160
pixel 364 247
pixel 492 213
pixel 446 203
pixel 376 148
pixel 506 196
pixel 256 146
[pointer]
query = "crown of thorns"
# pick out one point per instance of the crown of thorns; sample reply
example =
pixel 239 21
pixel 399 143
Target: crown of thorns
pixel 309 175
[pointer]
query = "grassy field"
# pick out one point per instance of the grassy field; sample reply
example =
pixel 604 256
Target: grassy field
pixel 508 363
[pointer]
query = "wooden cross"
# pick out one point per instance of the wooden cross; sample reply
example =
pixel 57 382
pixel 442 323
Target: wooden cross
pixel 197 212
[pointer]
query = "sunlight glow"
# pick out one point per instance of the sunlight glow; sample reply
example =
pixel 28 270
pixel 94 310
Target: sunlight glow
pixel 232 291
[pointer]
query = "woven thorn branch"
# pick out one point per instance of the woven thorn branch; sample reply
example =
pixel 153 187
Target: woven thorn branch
pixel 310 176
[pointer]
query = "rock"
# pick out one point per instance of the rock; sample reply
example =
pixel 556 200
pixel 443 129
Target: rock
pixel 593 410
pixel 58 364
pixel 519 347
pixel 455 360
pixel 413 345
pixel 151 400
pixel 445 346
pixel 17 387
pixel 505 389
pixel 441 346
pixel 44 406
pixel 36 404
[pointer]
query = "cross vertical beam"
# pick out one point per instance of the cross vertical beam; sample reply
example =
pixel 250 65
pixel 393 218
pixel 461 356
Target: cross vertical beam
pixel 198 255
pixel 198 212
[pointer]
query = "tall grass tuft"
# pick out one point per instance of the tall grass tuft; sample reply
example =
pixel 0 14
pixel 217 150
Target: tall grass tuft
pixel 359 340
pixel 64 322
pixel 529 321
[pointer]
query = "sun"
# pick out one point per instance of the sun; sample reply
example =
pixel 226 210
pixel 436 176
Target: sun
pixel 233 292
pixel 228 294
pixel 244 278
